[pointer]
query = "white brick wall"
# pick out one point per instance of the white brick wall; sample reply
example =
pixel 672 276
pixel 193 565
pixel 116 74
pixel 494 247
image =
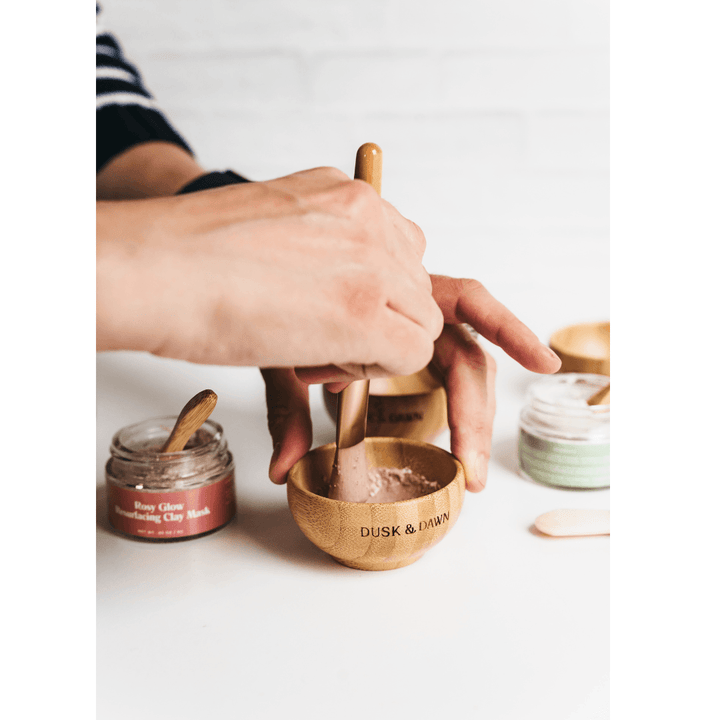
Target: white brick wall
pixel 492 114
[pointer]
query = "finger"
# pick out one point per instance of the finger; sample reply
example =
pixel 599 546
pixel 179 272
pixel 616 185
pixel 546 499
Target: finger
pixel 411 235
pixel 391 345
pixel 411 232
pixel 336 387
pixel 469 375
pixel 322 374
pixel 289 420
pixel 415 302
pixel 403 347
pixel 339 374
pixel 334 378
pixel 467 301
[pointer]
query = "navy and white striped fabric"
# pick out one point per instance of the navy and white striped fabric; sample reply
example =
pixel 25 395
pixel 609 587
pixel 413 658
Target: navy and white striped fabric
pixel 126 113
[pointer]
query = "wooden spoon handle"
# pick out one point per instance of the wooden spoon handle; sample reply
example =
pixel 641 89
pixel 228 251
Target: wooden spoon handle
pixel 352 414
pixel 191 417
pixel 574 522
pixel 353 400
pixel 368 165
pixel 601 397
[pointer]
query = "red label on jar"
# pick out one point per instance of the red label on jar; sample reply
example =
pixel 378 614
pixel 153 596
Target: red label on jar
pixel 168 515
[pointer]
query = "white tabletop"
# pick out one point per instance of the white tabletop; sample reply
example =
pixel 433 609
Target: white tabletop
pixel 254 621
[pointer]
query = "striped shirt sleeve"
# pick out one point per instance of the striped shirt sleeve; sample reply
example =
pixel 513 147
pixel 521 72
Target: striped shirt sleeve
pixel 126 113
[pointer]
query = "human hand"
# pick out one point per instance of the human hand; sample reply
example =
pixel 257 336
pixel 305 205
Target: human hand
pixel 467 369
pixel 311 270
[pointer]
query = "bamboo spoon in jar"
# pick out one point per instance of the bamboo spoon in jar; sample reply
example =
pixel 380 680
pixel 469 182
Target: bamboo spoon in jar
pixel 601 397
pixel 197 410
pixel 349 478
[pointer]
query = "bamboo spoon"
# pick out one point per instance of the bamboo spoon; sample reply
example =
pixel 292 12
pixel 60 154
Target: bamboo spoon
pixel 191 417
pixel 601 397
pixel 348 480
pixel 565 523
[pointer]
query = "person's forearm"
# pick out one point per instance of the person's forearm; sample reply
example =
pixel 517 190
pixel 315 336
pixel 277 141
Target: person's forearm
pixel 119 246
pixel 151 169
pixel 140 276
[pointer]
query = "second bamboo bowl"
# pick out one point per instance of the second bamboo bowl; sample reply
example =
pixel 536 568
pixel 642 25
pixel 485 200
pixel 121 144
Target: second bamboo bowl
pixel 377 536
pixel 583 348
pixel 412 406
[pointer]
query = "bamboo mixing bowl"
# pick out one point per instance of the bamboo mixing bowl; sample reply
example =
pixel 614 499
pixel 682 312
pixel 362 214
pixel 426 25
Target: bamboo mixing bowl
pixel 411 406
pixel 377 536
pixel 583 348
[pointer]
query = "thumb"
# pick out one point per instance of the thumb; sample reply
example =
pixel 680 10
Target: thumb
pixel 288 412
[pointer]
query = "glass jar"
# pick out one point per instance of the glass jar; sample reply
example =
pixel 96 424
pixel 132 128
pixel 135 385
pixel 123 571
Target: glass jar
pixel 169 496
pixel 563 441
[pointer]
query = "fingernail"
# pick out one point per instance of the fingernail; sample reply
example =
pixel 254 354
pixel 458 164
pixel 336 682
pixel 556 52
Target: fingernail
pixel 476 472
pixel 274 458
pixel 551 353
pixel 276 451
pixel 481 469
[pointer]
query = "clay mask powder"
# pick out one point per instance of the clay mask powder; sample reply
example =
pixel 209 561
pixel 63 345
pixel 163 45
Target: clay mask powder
pixel 394 484
pixel 388 485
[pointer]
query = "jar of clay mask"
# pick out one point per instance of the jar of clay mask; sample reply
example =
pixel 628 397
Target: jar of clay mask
pixel 169 496
pixel 563 441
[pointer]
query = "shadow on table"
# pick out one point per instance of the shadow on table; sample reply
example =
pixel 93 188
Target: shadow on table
pixel 505 453
pixel 269 527
pixel 273 529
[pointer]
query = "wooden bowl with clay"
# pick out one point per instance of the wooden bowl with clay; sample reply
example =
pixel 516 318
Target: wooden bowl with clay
pixel 377 536
pixel 411 406
pixel 583 348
